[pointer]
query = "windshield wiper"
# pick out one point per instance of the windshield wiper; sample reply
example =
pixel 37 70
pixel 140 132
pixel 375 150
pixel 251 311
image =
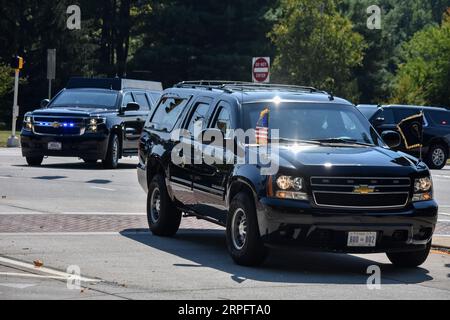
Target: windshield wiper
pixel 299 141
pixel 344 141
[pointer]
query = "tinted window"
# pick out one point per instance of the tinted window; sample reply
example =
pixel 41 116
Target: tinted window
pixel 141 99
pixel 223 120
pixel 368 111
pixel 127 98
pixel 386 114
pixel 154 97
pixel 301 121
pixel 86 99
pixel 168 113
pixel 439 117
pixel 198 117
pixel 403 113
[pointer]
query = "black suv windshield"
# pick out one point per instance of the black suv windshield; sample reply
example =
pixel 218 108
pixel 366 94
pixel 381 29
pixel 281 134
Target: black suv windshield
pixel 86 99
pixel 326 123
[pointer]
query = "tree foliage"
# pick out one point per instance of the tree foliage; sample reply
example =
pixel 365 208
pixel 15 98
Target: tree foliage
pixel 316 46
pixel 424 74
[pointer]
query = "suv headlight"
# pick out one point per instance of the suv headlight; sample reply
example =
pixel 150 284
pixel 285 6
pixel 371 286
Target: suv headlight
pixel 94 123
pixel 27 123
pixel 423 189
pixel 287 187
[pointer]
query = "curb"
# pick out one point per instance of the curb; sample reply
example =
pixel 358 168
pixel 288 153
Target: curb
pixel 441 243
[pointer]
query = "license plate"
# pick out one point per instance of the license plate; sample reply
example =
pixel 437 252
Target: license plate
pixel 362 239
pixel 54 146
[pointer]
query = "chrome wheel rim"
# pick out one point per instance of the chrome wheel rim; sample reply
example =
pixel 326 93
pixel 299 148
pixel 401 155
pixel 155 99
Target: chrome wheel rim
pixel 239 229
pixel 155 205
pixel 115 151
pixel 438 157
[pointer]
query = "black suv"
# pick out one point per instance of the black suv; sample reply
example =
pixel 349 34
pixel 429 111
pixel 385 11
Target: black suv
pixel 436 133
pixel 337 186
pixel 92 119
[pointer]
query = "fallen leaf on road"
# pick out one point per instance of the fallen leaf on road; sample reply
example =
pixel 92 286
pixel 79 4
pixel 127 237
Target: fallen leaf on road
pixel 38 263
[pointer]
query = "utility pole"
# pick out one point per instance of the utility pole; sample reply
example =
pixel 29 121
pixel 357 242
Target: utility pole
pixel 51 70
pixel 17 64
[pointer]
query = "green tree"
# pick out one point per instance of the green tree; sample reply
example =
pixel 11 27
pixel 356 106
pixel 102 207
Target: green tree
pixel 424 73
pixel 209 39
pixel 401 19
pixel 315 45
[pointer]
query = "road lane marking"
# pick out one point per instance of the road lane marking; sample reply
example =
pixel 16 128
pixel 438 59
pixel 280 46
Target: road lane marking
pixel 104 189
pixel 442 235
pixel 443 220
pixel 74 213
pixel 17 285
pixel 444 214
pixel 63 275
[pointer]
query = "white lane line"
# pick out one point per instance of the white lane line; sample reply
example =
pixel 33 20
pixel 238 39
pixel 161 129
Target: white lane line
pixel 104 189
pixel 440 176
pixel 1 177
pixel 49 271
pixel 442 235
pixel 444 214
pixel 73 213
pixel 29 275
pixel 443 220
pixel 53 234
pixel 20 286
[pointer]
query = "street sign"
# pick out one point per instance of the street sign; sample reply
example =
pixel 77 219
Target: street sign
pixel 51 69
pixel 51 64
pixel 261 70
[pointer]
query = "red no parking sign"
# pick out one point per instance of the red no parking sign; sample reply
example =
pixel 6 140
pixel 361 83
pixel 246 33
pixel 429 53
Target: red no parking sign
pixel 261 70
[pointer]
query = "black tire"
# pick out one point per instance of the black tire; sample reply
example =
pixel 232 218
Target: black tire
pixel 113 154
pixel 437 157
pixel 164 218
pixel 243 238
pixel 90 161
pixel 34 161
pixel 411 259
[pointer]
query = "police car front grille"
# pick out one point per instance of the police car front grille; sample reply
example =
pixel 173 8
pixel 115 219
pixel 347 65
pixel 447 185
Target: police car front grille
pixel 59 126
pixel 362 193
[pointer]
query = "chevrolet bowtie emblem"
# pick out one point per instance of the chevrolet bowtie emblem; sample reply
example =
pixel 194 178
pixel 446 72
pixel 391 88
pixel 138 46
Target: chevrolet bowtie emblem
pixel 364 190
pixel 56 125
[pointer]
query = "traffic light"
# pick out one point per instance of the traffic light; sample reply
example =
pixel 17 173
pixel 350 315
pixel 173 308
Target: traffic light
pixel 17 63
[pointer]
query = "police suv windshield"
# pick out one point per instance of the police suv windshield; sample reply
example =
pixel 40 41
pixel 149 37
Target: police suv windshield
pixel 86 99
pixel 324 123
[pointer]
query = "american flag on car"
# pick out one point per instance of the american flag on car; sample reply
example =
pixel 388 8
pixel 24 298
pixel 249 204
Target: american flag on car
pixel 262 127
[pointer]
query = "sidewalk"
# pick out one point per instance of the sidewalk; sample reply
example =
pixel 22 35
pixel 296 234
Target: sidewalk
pixel 441 242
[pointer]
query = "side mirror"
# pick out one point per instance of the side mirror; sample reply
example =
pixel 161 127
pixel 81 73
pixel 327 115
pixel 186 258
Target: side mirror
pixel 392 139
pixel 131 106
pixel 44 103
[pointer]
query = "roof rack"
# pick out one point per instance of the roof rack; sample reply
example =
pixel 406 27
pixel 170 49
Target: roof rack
pixel 229 86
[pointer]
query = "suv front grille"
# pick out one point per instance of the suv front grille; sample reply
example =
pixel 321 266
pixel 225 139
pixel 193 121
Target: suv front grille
pixel 361 193
pixel 59 126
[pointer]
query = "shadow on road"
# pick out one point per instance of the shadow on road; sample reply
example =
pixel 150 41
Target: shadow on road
pixel 80 166
pixel 207 248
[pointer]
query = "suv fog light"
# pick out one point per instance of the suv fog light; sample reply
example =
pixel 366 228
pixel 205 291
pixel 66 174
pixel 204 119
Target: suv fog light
pixel 422 197
pixel 292 195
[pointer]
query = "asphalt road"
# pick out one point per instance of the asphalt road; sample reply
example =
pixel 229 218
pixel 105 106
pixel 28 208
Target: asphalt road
pixel 67 214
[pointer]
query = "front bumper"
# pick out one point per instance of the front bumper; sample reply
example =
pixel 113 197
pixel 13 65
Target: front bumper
pixel 298 224
pixel 87 146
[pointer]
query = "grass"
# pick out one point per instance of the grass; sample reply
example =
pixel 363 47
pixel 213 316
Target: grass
pixel 4 135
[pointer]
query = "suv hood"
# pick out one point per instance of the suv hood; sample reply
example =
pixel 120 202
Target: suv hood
pixel 348 160
pixel 71 112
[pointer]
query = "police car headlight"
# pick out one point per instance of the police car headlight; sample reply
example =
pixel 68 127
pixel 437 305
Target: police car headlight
pixel 94 124
pixel 27 123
